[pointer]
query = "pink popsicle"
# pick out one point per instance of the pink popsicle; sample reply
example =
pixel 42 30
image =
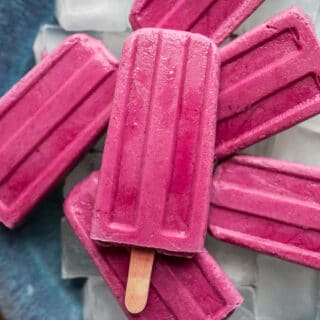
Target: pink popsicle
pixel 216 19
pixel 269 81
pixel 268 205
pixel 156 174
pixel 48 120
pixel 180 288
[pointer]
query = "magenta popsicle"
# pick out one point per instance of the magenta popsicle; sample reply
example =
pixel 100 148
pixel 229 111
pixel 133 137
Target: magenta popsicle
pixel 180 289
pixel 49 119
pixel 156 173
pixel 269 81
pixel 268 205
pixel 216 19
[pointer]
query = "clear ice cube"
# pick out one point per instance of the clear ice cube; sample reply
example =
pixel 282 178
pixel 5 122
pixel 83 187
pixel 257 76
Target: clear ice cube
pixel 89 163
pixel 97 15
pixel 99 303
pixel 317 22
pixel 299 143
pixel 238 263
pixel 262 149
pixel 249 295
pixel 114 41
pixel 50 37
pixel 285 291
pixel 241 314
pixel 247 310
pixel 75 261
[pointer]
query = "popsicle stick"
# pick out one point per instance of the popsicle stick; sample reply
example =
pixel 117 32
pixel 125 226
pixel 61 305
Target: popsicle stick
pixel 138 283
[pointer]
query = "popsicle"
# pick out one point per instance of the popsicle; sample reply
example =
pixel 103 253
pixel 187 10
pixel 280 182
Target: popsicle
pixel 181 288
pixel 49 119
pixel 216 19
pixel 271 206
pixel 155 184
pixel 280 59
pixel 156 172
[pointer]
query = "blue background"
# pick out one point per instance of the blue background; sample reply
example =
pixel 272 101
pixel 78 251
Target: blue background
pixel 30 282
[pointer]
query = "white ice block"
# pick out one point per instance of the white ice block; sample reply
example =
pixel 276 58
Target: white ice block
pixel 300 144
pixel 89 163
pixel 114 41
pixel 247 310
pixel 99 303
pixel 242 314
pixel 317 23
pixel 318 304
pixel 97 15
pixel 262 149
pixel 238 263
pixel 271 7
pixel 249 295
pixel 99 145
pixel 51 36
pixel 75 261
pixel 285 290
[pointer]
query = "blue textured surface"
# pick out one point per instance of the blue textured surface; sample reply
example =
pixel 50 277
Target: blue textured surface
pixel 30 283
pixel 19 23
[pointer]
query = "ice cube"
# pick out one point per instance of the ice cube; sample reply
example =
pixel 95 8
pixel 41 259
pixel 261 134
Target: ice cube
pixel 99 303
pixel 99 144
pixel 242 314
pixel 50 37
pixel 75 261
pixel 247 310
pixel 285 291
pixel 238 263
pixel 249 295
pixel 318 304
pixel 114 41
pixel 263 148
pixel 272 7
pixel 299 143
pixel 89 163
pixel 98 15
pixel 317 22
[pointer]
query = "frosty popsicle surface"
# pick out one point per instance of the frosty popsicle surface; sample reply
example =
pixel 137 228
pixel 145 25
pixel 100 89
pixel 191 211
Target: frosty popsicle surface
pixel 204 291
pixel 216 19
pixel 269 81
pixel 158 158
pixel 268 205
pixel 49 118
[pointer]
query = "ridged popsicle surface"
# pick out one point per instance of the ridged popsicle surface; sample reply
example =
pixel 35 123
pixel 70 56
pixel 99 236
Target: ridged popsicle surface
pixel 158 158
pixel 216 19
pixel 49 118
pixel 268 205
pixel 180 288
pixel 269 81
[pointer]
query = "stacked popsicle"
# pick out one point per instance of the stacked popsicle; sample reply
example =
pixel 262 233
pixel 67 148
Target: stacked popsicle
pixel 172 94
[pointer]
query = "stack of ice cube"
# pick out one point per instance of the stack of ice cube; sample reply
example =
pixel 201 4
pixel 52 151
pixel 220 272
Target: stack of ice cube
pixel 299 143
pixel 51 36
pixel 241 267
pixel 99 303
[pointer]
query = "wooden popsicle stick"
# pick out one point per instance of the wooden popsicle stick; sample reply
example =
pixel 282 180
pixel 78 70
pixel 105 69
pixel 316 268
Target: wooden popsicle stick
pixel 138 283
